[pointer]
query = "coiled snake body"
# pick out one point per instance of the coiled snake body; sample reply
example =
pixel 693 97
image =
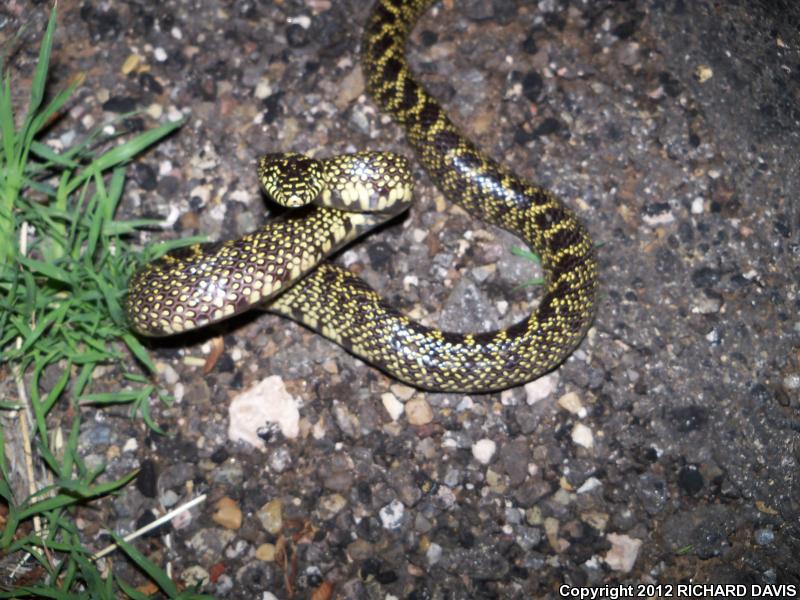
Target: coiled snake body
pixel 205 283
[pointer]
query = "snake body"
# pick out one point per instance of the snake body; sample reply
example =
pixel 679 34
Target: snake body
pixel 206 283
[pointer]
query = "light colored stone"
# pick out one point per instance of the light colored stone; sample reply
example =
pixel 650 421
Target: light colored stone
pixel 392 405
pixel 582 435
pixel 541 388
pixel 483 450
pixel 228 514
pixel 551 526
pixel 571 403
pixel 392 514
pixel 596 519
pixel 195 575
pixel 331 505
pixel 271 516
pixel 403 392
pixel 433 554
pixel 589 485
pixel 266 552
pixel 263 89
pixel 418 411
pixel 624 552
pixel 265 402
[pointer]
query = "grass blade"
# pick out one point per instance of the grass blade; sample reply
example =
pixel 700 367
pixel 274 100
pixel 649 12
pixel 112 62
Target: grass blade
pixel 40 76
pixel 124 152
pixel 153 572
pixel 48 270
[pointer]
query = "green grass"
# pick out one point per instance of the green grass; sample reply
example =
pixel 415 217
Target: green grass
pixel 64 265
pixel 533 257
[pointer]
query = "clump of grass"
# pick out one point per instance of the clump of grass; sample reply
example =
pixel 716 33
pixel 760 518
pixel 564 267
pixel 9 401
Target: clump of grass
pixel 64 267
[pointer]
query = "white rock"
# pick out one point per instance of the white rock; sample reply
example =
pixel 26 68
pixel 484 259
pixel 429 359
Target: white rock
pixel 195 575
pixel 392 405
pixel 582 435
pixel 465 404
pixel 541 388
pixel 589 485
pixel 434 553
pixel 392 514
pixel 263 89
pixel 265 402
pixel 623 553
pixel 483 450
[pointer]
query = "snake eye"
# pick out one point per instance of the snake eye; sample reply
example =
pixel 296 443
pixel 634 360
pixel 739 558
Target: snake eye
pixel 290 179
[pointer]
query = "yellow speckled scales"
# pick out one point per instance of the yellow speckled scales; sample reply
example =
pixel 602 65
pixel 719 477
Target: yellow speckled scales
pixel 336 303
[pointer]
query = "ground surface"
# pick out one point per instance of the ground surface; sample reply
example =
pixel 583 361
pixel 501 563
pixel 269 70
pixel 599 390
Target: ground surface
pixel 664 450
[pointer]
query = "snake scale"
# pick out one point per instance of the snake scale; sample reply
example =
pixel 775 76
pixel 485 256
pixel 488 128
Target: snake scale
pixel 276 266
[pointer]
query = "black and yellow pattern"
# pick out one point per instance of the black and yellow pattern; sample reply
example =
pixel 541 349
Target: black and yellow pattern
pixel 336 303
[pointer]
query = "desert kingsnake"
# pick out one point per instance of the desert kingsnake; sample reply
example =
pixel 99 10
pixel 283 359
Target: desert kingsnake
pixel 205 283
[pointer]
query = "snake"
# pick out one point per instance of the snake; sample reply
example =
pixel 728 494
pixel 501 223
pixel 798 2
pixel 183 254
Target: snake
pixel 282 266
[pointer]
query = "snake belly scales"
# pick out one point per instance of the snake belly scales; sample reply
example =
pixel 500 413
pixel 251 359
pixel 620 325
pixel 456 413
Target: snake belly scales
pixel 204 283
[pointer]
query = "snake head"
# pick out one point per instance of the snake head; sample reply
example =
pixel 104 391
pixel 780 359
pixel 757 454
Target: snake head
pixel 291 179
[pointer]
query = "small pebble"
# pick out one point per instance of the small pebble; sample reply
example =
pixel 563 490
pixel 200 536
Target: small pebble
pixel 541 388
pixel 331 505
pixel 195 575
pixel 465 404
pixel 263 90
pixel 483 450
pixel 703 73
pixel 764 536
pixel 589 485
pixel 623 553
pixel 131 63
pixel 434 554
pixel 791 382
pixel 280 459
pixel 228 514
pixel 402 391
pixel 266 552
pixel 392 405
pixel 168 498
pixel 418 411
pixel 582 435
pixel 392 514
pixel 271 516
pixel 267 401
pixel 572 403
